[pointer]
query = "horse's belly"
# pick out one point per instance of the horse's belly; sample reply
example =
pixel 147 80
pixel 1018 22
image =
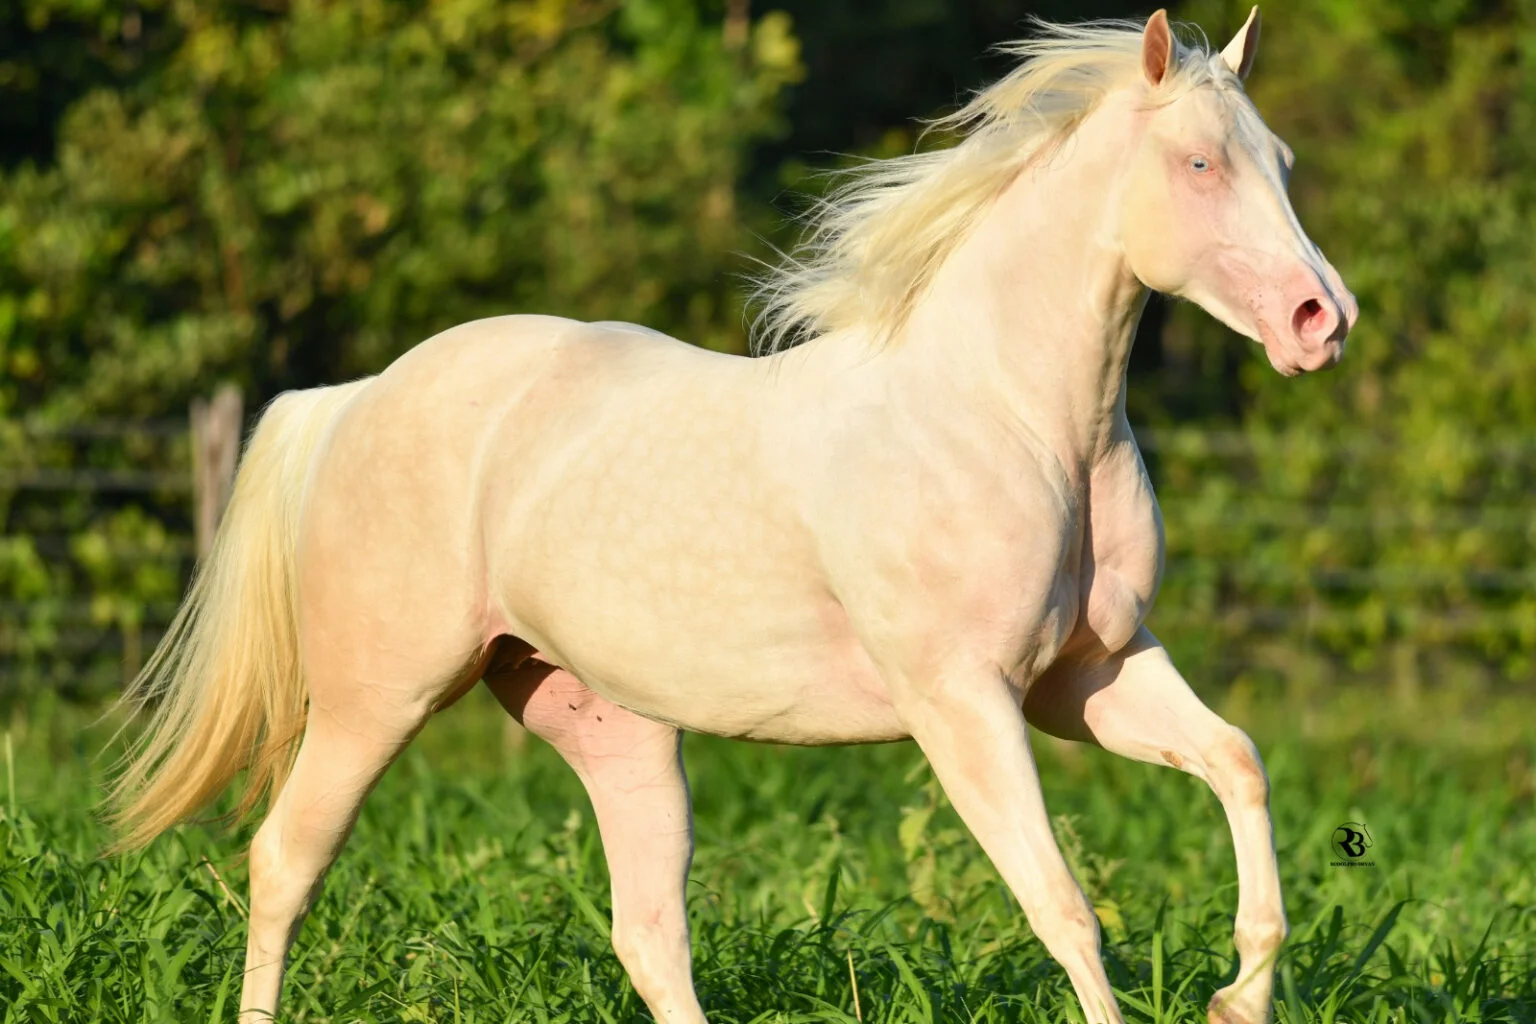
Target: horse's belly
pixel 740 683
pixel 753 705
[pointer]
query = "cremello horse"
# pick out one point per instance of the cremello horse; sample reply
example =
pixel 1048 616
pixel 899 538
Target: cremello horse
pixel 929 521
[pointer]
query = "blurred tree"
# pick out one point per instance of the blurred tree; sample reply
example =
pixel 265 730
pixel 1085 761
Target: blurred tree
pixel 52 52
pixel 289 193
pixel 301 194
pixel 874 69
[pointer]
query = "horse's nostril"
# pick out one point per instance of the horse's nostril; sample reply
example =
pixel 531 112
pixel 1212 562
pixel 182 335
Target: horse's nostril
pixel 1309 318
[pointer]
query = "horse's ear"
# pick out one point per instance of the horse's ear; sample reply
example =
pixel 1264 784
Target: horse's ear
pixel 1157 48
pixel 1239 52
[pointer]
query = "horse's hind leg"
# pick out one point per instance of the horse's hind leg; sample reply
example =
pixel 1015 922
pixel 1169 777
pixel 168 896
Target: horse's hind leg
pixel 1137 705
pixel 632 768
pixel 367 701
pixel 339 761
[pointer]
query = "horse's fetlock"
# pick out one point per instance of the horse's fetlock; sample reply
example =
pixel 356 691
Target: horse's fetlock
pixel 1260 935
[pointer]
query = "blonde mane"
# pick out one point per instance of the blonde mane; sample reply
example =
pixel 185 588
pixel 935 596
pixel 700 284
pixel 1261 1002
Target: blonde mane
pixel 875 242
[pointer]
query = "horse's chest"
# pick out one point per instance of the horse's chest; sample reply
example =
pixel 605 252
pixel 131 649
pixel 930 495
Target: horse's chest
pixel 1122 553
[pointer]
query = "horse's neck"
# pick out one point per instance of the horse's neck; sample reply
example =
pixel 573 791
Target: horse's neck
pixel 1038 307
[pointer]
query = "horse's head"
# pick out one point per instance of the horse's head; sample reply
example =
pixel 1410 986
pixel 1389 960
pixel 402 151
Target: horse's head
pixel 1207 216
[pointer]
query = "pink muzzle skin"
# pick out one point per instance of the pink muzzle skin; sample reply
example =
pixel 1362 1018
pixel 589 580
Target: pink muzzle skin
pixel 1322 313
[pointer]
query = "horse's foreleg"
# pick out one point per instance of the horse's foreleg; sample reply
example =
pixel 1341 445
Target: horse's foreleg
pixel 632 768
pixel 1137 705
pixel 971 729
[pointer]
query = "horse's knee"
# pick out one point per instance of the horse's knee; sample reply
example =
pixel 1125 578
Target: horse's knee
pixel 631 943
pixel 1234 769
pixel 1064 921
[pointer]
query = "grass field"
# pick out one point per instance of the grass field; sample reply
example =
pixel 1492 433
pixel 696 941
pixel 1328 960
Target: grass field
pixel 475 890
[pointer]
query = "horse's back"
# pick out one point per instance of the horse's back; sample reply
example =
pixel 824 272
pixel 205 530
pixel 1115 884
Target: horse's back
pixel 431 410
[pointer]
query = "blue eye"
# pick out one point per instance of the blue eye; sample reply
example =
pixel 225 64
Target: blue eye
pixel 1199 164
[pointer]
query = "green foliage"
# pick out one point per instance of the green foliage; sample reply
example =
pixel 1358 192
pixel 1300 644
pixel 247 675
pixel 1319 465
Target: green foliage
pixel 87 578
pixel 289 195
pixel 475 888
pixel 318 190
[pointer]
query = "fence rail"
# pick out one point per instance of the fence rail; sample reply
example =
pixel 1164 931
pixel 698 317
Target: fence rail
pixel 119 480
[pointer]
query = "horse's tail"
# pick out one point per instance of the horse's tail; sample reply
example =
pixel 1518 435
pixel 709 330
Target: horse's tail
pixel 225 683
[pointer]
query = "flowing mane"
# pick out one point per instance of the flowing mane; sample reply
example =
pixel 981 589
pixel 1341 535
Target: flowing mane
pixel 875 242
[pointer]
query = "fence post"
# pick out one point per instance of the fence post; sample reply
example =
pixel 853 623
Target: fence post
pixel 217 427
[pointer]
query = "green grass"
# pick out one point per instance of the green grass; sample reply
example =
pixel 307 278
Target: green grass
pixel 474 888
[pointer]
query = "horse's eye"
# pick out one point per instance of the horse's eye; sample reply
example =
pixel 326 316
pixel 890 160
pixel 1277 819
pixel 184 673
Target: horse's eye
pixel 1199 164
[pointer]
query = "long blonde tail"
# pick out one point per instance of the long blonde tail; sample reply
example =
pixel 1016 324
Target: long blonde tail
pixel 225 685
